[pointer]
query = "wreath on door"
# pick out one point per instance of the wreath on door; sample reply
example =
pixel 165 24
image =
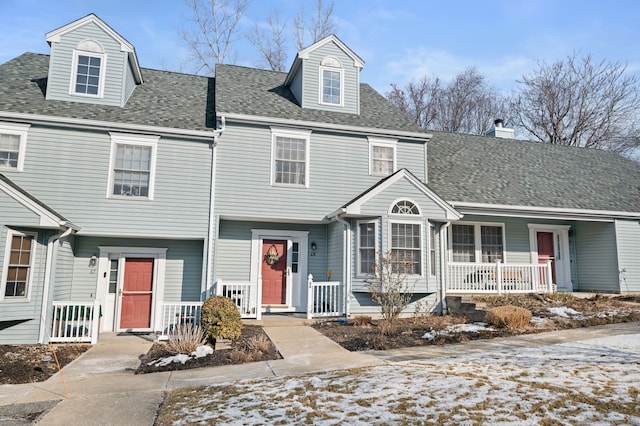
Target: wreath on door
pixel 271 257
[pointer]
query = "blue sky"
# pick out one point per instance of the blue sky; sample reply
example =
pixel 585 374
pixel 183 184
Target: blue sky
pixel 399 40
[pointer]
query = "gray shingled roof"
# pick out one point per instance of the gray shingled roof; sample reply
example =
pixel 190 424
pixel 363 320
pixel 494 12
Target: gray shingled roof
pixel 250 91
pixel 166 99
pixel 503 171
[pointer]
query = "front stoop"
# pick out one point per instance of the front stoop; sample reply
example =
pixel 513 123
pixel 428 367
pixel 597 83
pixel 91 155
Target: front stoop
pixel 459 308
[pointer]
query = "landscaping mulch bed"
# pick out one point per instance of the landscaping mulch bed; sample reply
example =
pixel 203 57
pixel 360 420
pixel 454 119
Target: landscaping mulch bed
pixel 362 335
pixel 34 363
pixel 239 352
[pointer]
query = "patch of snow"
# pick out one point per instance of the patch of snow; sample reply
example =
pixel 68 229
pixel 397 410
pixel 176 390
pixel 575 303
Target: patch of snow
pixel 202 351
pixel 181 358
pixel 564 312
pixel 474 327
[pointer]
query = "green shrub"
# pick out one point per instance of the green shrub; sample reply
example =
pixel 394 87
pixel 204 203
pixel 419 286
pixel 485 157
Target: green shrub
pixel 221 319
pixel 509 316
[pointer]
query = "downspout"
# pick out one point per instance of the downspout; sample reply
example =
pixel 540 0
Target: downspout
pixel 443 265
pixel 47 276
pixel 206 284
pixel 346 273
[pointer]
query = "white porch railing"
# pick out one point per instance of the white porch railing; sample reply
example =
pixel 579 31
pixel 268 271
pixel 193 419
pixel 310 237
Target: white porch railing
pixel 243 294
pixel 500 278
pixel 324 299
pixel 178 313
pixel 75 322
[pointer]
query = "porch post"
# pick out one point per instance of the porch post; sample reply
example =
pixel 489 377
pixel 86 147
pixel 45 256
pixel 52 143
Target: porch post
pixel 95 322
pixel 310 296
pixel 259 299
pixel 218 287
pixel 549 277
pixel 498 277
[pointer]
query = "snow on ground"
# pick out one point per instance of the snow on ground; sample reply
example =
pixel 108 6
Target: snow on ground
pixel 594 381
pixel 473 327
pixel 200 352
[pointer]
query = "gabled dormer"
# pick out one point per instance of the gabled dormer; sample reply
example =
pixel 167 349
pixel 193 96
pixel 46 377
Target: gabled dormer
pixel 91 63
pixel 326 76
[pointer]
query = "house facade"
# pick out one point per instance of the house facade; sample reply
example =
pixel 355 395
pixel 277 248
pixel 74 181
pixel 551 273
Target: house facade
pixel 129 195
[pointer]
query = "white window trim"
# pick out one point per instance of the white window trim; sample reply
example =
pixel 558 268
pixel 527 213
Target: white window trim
pixel 396 201
pixel 74 73
pixel 20 130
pixel 376 243
pixel 296 134
pixel 478 241
pixel 130 139
pixel 382 142
pixel 420 223
pixel 5 269
pixel 321 86
pixel 432 247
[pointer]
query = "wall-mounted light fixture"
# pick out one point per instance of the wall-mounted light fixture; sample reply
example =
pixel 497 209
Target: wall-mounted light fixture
pixel 314 246
pixel 93 261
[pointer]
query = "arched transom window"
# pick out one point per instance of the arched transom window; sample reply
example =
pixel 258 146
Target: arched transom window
pixel 405 207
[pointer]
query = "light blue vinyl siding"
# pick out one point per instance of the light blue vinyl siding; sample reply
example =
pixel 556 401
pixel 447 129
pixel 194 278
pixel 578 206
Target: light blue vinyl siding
pixel 130 84
pixel 234 248
pixel 338 172
pixel 14 213
pixel 335 246
pixel 69 171
pixel 26 332
pixel 628 237
pixel 311 80
pixel 61 72
pixel 64 263
pixel 183 274
pixel 596 257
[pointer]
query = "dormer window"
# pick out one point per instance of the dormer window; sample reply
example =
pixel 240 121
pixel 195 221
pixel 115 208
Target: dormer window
pixel 331 78
pixel 88 65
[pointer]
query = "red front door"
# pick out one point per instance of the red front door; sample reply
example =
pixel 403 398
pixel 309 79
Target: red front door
pixel 137 292
pixel 546 251
pixel 274 272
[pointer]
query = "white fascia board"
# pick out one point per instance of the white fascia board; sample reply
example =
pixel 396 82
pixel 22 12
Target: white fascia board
pixel 354 208
pixel 245 218
pixel 422 137
pixel 304 53
pixel 55 35
pixel 542 212
pixel 80 123
pixel 47 218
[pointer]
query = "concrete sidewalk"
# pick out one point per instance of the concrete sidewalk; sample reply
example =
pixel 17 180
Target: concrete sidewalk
pixel 101 388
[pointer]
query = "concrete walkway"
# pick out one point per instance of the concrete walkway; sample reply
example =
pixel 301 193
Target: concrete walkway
pixel 101 388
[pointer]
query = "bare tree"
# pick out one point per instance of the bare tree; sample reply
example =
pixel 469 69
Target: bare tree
pixel 216 29
pixel 271 44
pixel 390 288
pixel 417 100
pixel 580 102
pixel 320 25
pixel 468 104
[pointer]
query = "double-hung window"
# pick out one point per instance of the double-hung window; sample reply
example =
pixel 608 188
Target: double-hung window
pixel 406 237
pixel 290 157
pixel 382 156
pixel 331 79
pixel 13 139
pixel 367 243
pixel 132 170
pixel 89 62
pixel 19 257
pixel 477 242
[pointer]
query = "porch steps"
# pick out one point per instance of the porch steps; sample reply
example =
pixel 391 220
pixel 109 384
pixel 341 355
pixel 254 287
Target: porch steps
pixel 282 320
pixel 460 306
